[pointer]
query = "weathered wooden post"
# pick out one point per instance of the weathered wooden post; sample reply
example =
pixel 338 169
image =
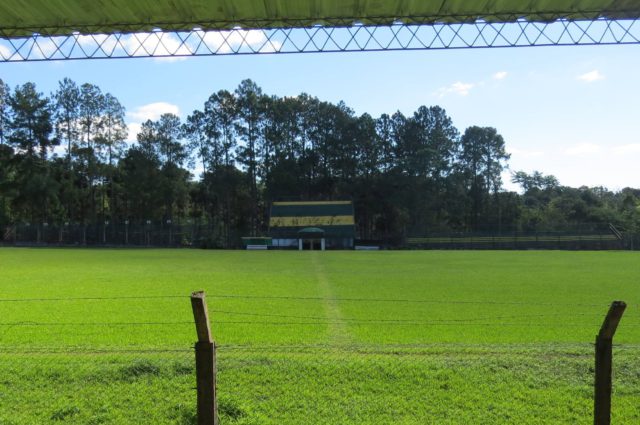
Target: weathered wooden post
pixel 205 362
pixel 604 359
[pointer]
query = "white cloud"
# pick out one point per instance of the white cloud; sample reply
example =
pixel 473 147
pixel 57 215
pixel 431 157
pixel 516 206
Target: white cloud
pixel 133 129
pixel 138 44
pixel 501 75
pixel 507 184
pixel 167 47
pixel 583 149
pixel 459 88
pixel 153 111
pixel 46 47
pixel 32 48
pixel 591 77
pixel 150 111
pixel 5 53
pixel 60 150
pixel 170 58
pixel 627 149
pixel 238 40
pixel 520 153
pixel 104 42
pixel 174 48
pixel 171 45
pixel 156 44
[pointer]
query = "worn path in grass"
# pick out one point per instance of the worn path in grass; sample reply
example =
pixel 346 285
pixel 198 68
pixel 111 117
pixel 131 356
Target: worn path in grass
pixel 338 332
pixel 413 297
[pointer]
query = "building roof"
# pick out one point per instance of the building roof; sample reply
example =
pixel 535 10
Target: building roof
pixel 19 18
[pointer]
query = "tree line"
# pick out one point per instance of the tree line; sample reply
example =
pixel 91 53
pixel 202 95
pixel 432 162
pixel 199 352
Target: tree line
pixel 64 159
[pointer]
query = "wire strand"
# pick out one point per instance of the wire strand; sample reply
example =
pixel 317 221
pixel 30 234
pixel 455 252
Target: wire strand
pixel 94 323
pixel 241 313
pixel 300 298
pixel 93 298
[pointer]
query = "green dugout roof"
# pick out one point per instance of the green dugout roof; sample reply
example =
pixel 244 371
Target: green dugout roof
pixel 311 231
pixel 19 18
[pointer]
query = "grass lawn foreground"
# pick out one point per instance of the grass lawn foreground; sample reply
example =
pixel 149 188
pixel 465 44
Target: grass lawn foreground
pixel 99 336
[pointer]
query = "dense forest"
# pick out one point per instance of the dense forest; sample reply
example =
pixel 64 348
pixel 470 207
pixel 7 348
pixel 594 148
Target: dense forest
pixel 64 159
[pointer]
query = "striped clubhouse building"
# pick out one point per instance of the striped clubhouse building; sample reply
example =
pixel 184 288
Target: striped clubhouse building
pixel 312 223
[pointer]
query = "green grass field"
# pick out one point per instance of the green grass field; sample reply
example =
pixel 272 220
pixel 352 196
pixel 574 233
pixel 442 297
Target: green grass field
pixel 410 337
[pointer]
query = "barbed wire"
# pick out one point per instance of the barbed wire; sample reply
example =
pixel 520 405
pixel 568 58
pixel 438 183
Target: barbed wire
pixel 417 323
pixel 385 347
pixel 321 321
pixel 402 300
pixel 313 376
pixel 141 297
pixel 310 298
pixel 381 348
pixel 242 313
pixel 67 367
pixel 31 323
pixel 77 350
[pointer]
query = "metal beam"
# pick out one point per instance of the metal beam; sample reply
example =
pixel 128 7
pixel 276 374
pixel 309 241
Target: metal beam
pixel 319 38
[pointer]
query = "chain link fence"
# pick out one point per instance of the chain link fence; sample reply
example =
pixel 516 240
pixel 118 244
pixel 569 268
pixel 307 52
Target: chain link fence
pixel 211 235
pixel 586 236
pixel 149 233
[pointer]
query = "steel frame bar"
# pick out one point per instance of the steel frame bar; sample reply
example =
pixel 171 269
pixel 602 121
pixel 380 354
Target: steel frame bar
pixel 89 44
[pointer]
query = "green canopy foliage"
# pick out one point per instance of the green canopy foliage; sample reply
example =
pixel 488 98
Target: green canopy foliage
pixel 228 161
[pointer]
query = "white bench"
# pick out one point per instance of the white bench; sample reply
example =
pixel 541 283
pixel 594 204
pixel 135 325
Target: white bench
pixel 257 247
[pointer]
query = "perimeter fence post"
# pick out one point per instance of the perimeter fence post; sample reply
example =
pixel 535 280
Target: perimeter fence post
pixel 205 362
pixel 603 367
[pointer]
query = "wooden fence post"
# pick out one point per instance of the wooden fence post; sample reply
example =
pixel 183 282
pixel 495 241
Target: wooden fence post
pixel 604 359
pixel 205 362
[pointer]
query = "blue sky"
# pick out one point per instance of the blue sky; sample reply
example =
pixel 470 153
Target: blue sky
pixel 568 111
